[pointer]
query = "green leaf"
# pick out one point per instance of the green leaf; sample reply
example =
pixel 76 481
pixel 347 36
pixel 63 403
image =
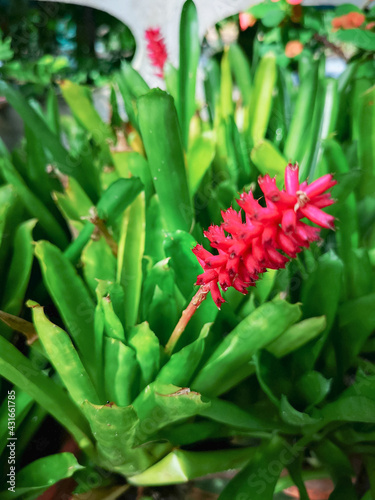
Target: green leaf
pixel 182 365
pixel 272 376
pixel 32 203
pixel 261 97
pixel 240 67
pixel 312 388
pixel 120 372
pixel 163 144
pixel 22 404
pixel 249 483
pixel 20 371
pixel 79 100
pixel 147 350
pixel 171 81
pixel 292 416
pixel 41 474
pixel 98 262
pixel 296 336
pixel 65 162
pixel 181 466
pixel 130 255
pixel 327 126
pixel 154 231
pixel 269 160
pixel 118 197
pixel 20 268
pixel 189 57
pixel 349 408
pixel 199 158
pixel 320 295
pixel 161 301
pixel 178 246
pixel 301 120
pixel 131 162
pixel 258 418
pixel 131 86
pixel 114 429
pixel 71 299
pixel 363 39
pixel 112 324
pixel 356 323
pixel 74 202
pixel 64 357
pixel 257 330
pixel 226 89
pixel 366 135
pixel 162 404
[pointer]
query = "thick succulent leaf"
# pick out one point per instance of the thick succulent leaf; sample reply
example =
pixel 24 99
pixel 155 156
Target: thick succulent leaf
pixel 71 299
pixel 74 202
pixel 120 372
pixel 180 466
pixel 356 323
pixel 187 74
pixel 182 365
pixel 163 144
pixel 294 417
pixel 41 474
pixel 249 483
pixel 115 429
pixel 21 372
pixel 132 163
pixel 161 405
pixel 32 203
pixel 61 157
pixel 259 418
pixel 320 295
pixel 240 68
pixel 178 246
pixel 64 357
pixel 301 120
pixel 260 328
pixel 131 86
pixel 130 255
pixel 147 348
pixel 199 157
pixel 20 268
pixel 118 197
pixel 297 335
pixel 22 404
pixel 261 97
pixel 312 388
pixel 161 302
pixel 112 324
pixel 268 160
pixel 98 262
pixel 79 100
pixel 272 376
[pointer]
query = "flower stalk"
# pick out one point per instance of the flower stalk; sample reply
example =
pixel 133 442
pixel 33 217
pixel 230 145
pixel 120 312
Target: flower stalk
pixel 187 314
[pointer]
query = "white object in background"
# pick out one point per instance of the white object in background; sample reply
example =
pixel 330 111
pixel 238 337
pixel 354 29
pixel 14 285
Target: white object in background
pixel 140 15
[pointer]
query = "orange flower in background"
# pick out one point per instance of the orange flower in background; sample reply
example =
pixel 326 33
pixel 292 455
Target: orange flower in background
pixel 293 48
pixel 348 21
pixel 294 2
pixel 370 26
pixel 246 20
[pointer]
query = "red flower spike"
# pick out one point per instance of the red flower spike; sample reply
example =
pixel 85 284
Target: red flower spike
pixel 156 49
pixel 247 248
pixel 291 179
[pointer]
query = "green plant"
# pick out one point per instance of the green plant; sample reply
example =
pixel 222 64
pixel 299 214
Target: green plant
pixel 283 376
